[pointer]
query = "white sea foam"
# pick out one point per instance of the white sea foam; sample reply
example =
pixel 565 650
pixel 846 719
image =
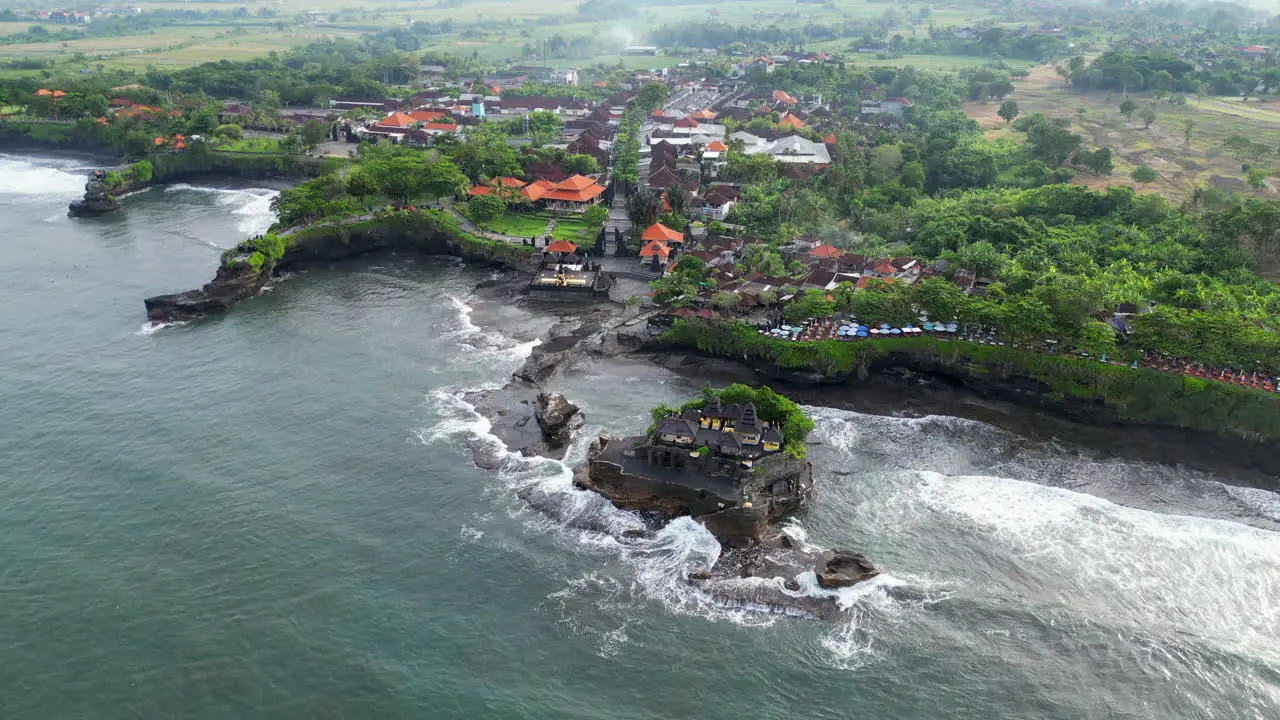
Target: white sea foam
pixel 22 177
pixel 252 206
pixel 151 328
pixel 494 349
pixel 1212 579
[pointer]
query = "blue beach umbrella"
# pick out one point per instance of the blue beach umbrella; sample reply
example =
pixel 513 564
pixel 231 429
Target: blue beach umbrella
pixel 896 331
pixel 862 333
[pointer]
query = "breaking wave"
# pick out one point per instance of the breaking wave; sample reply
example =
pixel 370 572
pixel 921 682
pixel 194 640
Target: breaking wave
pixel 251 206
pixel 19 176
pixel 540 493
pixel 1050 549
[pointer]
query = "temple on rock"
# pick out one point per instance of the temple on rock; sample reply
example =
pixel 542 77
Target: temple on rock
pixel 726 430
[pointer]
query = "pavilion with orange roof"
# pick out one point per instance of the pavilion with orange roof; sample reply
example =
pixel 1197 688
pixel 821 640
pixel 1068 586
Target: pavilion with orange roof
pixel 504 186
pixel 574 194
pixel 660 233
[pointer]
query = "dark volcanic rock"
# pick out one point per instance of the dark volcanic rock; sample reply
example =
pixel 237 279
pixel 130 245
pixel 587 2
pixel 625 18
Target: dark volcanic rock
pixel 97 200
pixel 558 418
pixel 229 286
pixel 842 568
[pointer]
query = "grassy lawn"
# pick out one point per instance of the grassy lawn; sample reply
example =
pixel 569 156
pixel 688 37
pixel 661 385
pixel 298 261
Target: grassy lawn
pixel 251 145
pixel 575 231
pixel 517 225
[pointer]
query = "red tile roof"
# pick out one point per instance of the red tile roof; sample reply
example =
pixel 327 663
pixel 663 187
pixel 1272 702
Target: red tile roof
pixel 792 121
pixel 826 251
pixel 398 119
pixel 655 248
pixel 660 232
pixel 782 97
pixel 716 146
pixel 561 246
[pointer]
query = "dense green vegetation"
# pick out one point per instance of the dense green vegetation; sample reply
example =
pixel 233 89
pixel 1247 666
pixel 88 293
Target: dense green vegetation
pixel 1058 258
pixel 770 406
pixel 1136 395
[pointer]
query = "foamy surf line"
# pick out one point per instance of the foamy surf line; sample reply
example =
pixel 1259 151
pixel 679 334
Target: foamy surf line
pixel 151 328
pixel 23 177
pixel 660 564
pixel 253 204
pixel 1113 564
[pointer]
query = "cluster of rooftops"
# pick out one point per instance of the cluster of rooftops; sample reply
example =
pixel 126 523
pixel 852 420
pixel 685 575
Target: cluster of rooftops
pixel 729 430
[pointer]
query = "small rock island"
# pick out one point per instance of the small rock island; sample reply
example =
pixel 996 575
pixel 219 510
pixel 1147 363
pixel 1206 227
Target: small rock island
pixel 98 199
pixel 719 462
pixel 734 460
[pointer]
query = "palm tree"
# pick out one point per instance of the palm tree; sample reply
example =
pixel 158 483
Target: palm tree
pixel 678 199
pixel 643 208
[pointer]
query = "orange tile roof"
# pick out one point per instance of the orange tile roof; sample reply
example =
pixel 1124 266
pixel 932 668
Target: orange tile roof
pixel 480 190
pixel 574 189
pixel 444 127
pixel 584 195
pixel 792 121
pixel 704 114
pixel 716 146
pixel 782 97
pixel 655 249
pixel 561 246
pixel 577 182
pixel 536 190
pixel 44 92
pixel 507 181
pixel 827 251
pixel 658 231
pixel 830 139
pixel 425 115
pixel 59 93
pixel 398 119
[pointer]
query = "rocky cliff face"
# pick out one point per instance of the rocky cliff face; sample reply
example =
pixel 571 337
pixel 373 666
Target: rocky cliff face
pixel 97 199
pixel 320 246
pixel 230 285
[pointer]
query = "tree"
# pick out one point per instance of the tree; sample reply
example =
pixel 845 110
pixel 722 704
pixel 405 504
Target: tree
pixel 1144 174
pixel 725 300
pixel 652 96
pixel 360 184
pixel 1257 177
pixel 1127 109
pixel 1098 161
pixel 485 208
pixel 1050 140
pixel 229 132
pixel 313 133
pixel 1161 82
pixel 813 304
pixel 595 215
pixel 1148 115
pixel 1008 110
pixel 1188 126
pixel 643 208
pixel 678 199
pixel 580 164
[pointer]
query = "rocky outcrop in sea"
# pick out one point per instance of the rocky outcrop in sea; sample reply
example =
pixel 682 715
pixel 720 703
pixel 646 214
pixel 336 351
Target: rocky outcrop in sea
pixel 97 200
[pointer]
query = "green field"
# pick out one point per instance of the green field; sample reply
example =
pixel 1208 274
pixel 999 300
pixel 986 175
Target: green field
pixel 574 231
pixel 1181 167
pixel 495 31
pixel 517 225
